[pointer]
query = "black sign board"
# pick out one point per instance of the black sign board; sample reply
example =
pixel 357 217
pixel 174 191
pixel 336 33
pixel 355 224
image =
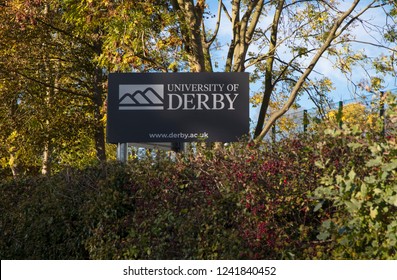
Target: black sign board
pixel 177 107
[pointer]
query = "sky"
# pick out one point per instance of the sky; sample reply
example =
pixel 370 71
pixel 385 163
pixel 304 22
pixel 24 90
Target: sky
pixel 343 88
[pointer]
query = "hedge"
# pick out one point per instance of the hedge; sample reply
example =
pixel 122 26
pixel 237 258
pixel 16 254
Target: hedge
pixel 239 201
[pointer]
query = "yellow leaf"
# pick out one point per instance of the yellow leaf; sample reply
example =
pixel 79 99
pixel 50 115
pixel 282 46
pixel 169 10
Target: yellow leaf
pixel 373 212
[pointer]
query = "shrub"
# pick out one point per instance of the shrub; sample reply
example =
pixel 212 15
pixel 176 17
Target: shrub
pixel 51 217
pixel 237 201
pixel 361 196
pixel 319 195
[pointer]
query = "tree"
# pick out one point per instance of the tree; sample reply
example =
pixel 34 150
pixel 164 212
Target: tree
pixel 52 81
pixel 25 103
pixel 59 53
pixel 319 27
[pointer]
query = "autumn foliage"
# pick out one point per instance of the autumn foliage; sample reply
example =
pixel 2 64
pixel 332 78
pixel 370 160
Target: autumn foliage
pixel 239 201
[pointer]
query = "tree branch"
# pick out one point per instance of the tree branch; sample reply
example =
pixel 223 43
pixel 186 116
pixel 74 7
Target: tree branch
pixel 254 21
pixel 269 69
pixel 333 33
pixel 193 17
pixel 52 86
pixel 226 11
pixel 373 44
pixel 218 23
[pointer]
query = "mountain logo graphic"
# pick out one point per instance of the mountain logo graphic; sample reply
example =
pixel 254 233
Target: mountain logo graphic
pixel 141 97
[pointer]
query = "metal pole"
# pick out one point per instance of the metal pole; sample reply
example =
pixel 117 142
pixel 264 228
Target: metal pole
pixel 122 152
pixel 382 112
pixel 340 114
pixel 185 148
pixel 305 120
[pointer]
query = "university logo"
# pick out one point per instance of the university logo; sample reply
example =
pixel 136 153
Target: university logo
pixel 141 97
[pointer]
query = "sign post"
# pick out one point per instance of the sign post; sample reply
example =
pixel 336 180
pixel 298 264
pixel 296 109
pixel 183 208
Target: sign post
pixel 122 152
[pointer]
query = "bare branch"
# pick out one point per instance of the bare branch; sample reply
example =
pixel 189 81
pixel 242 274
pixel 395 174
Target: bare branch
pixel 258 59
pixel 218 22
pixel 353 18
pixel 226 11
pixel 290 64
pixel 374 44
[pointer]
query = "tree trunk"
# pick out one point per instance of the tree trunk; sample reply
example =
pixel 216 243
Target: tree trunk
pixel 192 17
pixel 46 165
pixel 51 74
pixel 269 71
pixel 243 31
pixel 14 165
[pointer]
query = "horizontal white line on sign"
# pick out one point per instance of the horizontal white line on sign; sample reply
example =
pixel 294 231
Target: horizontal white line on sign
pixel 141 108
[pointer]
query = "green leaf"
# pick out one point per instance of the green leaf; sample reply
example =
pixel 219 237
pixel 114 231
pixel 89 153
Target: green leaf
pixel 390 166
pixel 364 190
pixel 370 180
pixel 374 162
pixel 329 131
pixel 353 205
pixel 393 200
pixel 318 206
pixel 352 174
pixel 323 236
pixel 354 146
pixel 319 164
pixel 356 130
pixel 377 191
pixel 384 175
pixel 327 224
